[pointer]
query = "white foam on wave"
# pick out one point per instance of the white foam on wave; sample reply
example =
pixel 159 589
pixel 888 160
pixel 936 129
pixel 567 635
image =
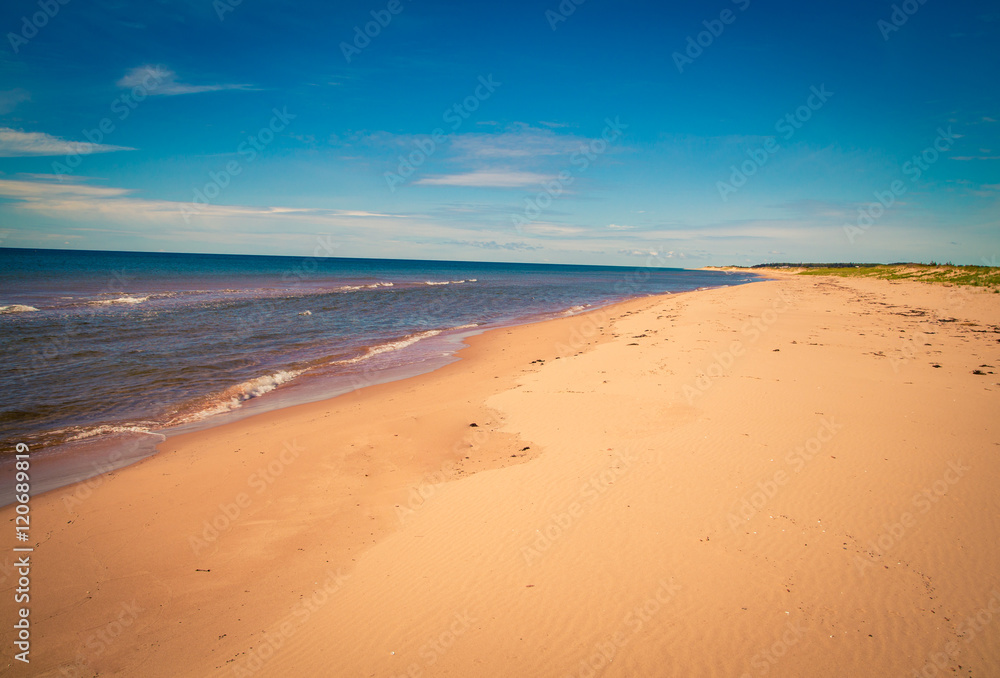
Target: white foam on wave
pixel 111 429
pixel 235 396
pixel 17 308
pixel 388 346
pixel 119 300
pixel 373 286
pixel 448 282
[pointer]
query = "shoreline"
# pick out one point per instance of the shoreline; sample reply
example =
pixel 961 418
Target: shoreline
pixel 74 462
pixel 571 491
pixel 218 518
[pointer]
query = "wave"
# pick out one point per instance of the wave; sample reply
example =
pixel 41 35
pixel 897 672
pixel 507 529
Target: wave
pixel 105 299
pixel 118 300
pixel 449 282
pixel 111 429
pixel 228 294
pixel 373 351
pixel 234 396
pixel 373 286
pixel 220 295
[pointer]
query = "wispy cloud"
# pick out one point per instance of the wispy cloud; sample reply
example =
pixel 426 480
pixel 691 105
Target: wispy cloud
pixel 487 179
pixel 121 212
pixel 646 253
pixel 517 141
pixel 549 229
pixel 41 190
pixel 84 200
pixel 985 191
pixel 493 245
pixel 19 144
pixel 159 80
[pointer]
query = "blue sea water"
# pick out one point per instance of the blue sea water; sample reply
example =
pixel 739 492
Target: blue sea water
pixel 105 346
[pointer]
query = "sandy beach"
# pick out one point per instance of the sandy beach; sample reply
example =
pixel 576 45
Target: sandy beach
pixel 795 477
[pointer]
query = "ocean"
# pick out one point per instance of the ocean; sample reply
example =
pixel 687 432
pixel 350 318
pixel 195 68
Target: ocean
pixel 113 350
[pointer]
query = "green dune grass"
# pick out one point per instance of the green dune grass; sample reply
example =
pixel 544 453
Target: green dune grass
pixel 979 276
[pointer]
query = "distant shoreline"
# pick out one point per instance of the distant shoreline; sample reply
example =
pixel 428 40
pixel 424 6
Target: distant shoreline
pixel 978 276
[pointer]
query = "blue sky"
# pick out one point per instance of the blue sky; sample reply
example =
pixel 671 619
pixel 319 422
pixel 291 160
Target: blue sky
pixel 734 131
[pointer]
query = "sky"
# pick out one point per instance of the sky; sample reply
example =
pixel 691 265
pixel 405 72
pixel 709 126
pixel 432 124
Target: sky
pixel 580 131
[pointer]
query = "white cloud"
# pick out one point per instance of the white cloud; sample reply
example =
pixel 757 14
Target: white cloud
pixel 41 190
pixel 18 144
pixel 618 227
pixel 487 179
pixel 645 253
pixel 494 245
pixel 550 229
pixel 105 212
pixel 518 141
pixel 83 200
pixel 159 80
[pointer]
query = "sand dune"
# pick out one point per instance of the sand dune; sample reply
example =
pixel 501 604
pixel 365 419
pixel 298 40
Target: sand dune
pixel 796 477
